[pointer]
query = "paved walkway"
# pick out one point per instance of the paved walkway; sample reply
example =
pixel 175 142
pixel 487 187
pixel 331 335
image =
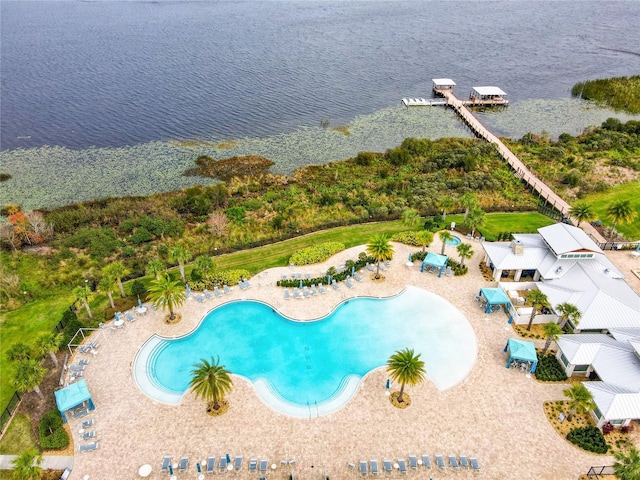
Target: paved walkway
pixel 49 462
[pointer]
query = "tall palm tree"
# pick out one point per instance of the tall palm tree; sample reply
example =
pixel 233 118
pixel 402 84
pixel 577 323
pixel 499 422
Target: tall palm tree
pixel 181 255
pixel 468 201
pixel 538 300
pixel 156 268
pixel 424 238
pixel 627 467
pixel 582 212
pixel 580 399
pixel 445 236
pixel 26 466
pixel 411 217
pixel 118 271
pixel 407 368
pixel 210 381
pixel 380 249
pixel 83 294
pixel 49 343
pixel 167 293
pixel 552 332
pixel 568 312
pixel 28 375
pixel 465 251
pixel 621 211
pixel 205 266
pixel 108 285
pixel 19 351
pixel 445 204
pixel 475 219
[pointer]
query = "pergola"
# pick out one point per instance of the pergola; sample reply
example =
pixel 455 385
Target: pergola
pixel 73 396
pixel 494 296
pixel 523 351
pixel 435 260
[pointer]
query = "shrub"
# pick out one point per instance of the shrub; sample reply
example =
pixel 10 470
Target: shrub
pixel 549 369
pixel 138 288
pixel 229 277
pixel 51 432
pixel 458 270
pixel 588 438
pixel 316 254
pixel 408 238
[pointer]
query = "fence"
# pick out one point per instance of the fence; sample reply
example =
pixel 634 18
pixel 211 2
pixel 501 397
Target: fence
pixel 7 413
pixel 595 473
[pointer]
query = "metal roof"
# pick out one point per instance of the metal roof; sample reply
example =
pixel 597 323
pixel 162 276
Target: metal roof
pixel 445 82
pixel 489 91
pixel 582 348
pixel 563 238
pixel 614 403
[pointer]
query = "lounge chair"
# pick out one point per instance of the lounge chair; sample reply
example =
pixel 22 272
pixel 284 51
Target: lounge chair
pixel 348 282
pixel 464 463
pixel 314 290
pixel 287 296
pixel 306 292
pixel 88 447
pixel 199 298
pixel 370 267
pixel 335 285
pixel 292 461
pixel 413 462
pixel 386 465
pixel 440 461
pixel 217 292
pixel 76 374
pixel 263 465
pixel 211 465
pixel 184 463
pixel 284 277
pixel 297 293
pixel 321 289
pixel 474 463
pixel 449 272
pixel 65 474
pixel 166 461
pixel 85 349
pixel 381 267
pixel 373 464
pixel 87 423
pixel 226 289
pixel 453 461
pixel 207 294
pixel 80 413
pixel 363 468
pixel 76 368
pixel 253 465
pixel 89 435
pixel 387 263
pixel 351 465
pixel 129 317
pixel 222 464
pixel 237 463
pixel 426 461
pixel 403 465
pixel 357 277
pixel 247 284
pixel 84 361
pixel 94 345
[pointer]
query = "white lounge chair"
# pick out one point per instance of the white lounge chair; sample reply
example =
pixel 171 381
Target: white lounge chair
pixel 166 461
pixel 211 465
pixel 226 289
pixel 88 447
pixel 363 468
pixel 207 294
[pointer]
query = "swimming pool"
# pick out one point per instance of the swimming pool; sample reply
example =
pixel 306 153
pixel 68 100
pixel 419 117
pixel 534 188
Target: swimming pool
pixel 454 242
pixel 306 369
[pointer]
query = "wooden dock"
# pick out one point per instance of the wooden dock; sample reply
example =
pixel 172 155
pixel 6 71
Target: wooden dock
pixel 422 102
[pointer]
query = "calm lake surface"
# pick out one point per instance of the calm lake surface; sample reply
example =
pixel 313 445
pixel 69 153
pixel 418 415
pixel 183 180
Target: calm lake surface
pixel 106 90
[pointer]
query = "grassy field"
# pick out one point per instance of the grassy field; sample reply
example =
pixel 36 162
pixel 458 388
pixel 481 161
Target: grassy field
pixel 496 223
pixel 18 437
pixel 626 191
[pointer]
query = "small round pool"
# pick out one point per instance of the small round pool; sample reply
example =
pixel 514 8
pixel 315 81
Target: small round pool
pixel 312 368
pixel 454 242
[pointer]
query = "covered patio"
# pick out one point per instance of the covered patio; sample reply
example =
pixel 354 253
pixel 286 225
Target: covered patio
pixel 521 353
pixel 435 262
pixel 494 297
pixel 73 396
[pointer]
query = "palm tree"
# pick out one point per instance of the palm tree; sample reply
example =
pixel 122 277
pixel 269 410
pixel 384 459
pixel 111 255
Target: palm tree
pixel 156 268
pixel 167 293
pixel 552 331
pixel 380 249
pixel 19 351
pixel 108 285
pixel 407 368
pixel 445 204
pixel 424 238
pixel 621 211
pixel 580 399
pixel 28 375
pixel 468 201
pixel 83 293
pixel 204 266
pixel 475 219
pixel 445 237
pixel 49 343
pixel 627 467
pixel 582 212
pixel 537 300
pixel 411 217
pixel 181 255
pixel 210 381
pixel 465 251
pixel 568 312
pixel 26 466
pixel 117 270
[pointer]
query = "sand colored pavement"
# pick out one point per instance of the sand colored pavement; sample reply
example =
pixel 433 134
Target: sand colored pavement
pixel 495 414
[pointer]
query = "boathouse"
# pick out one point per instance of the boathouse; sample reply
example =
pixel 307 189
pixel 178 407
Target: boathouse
pixel 488 96
pixel 442 84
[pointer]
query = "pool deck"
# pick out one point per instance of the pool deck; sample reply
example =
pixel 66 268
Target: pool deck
pixel 495 414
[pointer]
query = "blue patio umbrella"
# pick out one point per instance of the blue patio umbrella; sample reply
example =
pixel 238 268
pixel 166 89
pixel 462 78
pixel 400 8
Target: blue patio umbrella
pixel 170 470
pixel 353 269
pixel 139 302
pixel 300 287
pixel 228 458
pixel 329 279
pixel 409 257
pixel 198 467
pixel 388 383
pixel 188 290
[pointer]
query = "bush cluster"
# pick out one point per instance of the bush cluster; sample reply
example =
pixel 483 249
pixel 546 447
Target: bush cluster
pixel 458 269
pixel 408 238
pixel 316 254
pixel 220 278
pixel 588 438
pixel 52 434
pixel 549 369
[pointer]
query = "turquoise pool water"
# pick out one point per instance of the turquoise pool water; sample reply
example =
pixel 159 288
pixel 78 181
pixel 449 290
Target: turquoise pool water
pixel 312 368
pixel 454 242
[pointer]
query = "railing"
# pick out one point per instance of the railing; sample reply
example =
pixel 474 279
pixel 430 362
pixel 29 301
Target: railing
pixel 595 473
pixel 9 410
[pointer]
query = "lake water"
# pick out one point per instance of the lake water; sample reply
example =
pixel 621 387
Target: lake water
pixel 103 91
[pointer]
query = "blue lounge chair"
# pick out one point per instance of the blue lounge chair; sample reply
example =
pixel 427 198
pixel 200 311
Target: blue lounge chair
pixel 440 461
pixel 226 289
pixel 129 317
pixel 88 447
pixel 453 461
pixel 237 463
pixel 80 413
pixel 403 465
pixel 464 463
pixel 386 465
pixel 426 461
pixel 253 465
pixel 263 465
pixel 335 285
pixel 76 368
pixel 306 292
pixel 348 282
pixel 211 465
pixel 89 435
pixel 199 298
pixel 222 464
pixel 314 290
pixel 363 468
pixel 84 361
pixel 296 293
pixel 287 296
pixel 370 267
pixel 413 462
pixel 166 461
pixel 373 465
pixel 184 463
pixel 76 374
pixel 87 423
pixel 207 294
pixel 247 284
pixel 217 292
pixel 474 463
pixel 357 277
pixel 321 289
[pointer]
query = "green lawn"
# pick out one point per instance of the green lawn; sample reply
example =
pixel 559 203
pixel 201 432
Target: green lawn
pixel 626 191
pixel 527 222
pixel 18 437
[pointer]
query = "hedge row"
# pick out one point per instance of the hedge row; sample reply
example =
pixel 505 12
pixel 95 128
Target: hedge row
pixel 316 253
pixel 588 438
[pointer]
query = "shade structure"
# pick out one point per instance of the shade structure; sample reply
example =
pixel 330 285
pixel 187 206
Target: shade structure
pixel 434 260
pixel 494 296
pixel 72 396
pixel 523 351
